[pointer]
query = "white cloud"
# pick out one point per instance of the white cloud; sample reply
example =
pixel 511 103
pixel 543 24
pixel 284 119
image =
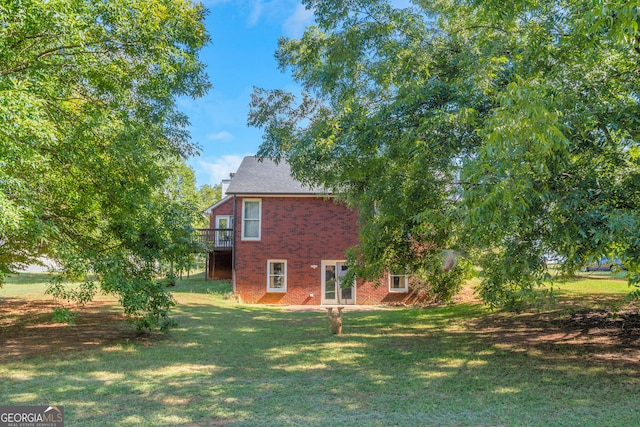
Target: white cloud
pixel 219 168
pixel 220 136
pixel 256 12
pixel 291 14
pixel 296 23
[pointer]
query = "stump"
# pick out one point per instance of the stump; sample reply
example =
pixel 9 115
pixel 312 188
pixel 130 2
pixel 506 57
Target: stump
pixel 336 320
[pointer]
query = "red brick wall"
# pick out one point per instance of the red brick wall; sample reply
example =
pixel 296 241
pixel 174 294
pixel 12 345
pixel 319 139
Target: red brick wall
pixel 225 208
pixel 304 231
pixel 378 293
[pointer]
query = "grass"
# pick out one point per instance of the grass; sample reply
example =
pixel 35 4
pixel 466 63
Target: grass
pixel 26 286
pixel 592 290
pixel 246 365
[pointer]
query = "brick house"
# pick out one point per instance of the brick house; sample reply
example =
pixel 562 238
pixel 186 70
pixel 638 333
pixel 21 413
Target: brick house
pixel 284 243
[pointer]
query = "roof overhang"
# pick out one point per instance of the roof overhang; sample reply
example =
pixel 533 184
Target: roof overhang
pixel 313 195
pixel 215 205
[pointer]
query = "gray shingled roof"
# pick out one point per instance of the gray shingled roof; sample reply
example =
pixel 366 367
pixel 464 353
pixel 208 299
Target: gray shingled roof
pixel 265 177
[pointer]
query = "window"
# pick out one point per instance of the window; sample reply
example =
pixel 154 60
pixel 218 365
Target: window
pixel 398 282
pixel 276 276
pixel 251 213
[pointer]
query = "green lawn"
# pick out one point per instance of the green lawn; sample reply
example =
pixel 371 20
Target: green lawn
pixel 244 365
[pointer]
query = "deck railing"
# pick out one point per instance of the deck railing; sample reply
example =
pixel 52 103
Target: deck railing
pixel 215 238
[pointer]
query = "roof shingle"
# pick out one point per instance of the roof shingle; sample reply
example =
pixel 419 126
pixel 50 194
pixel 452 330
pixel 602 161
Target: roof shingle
pixel 266 177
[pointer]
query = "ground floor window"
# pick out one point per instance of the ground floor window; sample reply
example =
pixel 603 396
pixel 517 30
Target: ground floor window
pixel 398 282
pixel 276 275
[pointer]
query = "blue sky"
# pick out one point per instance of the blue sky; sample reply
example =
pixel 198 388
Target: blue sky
pixel 244 36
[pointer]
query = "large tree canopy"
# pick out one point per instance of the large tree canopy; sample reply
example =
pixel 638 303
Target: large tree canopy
pixel 89 139
pixel 505 131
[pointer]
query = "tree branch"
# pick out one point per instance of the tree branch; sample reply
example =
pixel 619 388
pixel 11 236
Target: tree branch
pixel 26 64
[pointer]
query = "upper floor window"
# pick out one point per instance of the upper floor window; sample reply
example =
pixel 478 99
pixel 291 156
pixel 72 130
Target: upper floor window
pixel 251 216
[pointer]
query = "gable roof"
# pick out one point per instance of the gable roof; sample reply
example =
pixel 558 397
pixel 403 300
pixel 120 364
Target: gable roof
pixel 266 177
pixel 216 204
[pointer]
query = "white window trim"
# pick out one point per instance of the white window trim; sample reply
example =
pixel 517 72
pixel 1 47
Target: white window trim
pixel 244 237
pixel 226 236
pixel 324 264
pixel 229 219
pixel 269 288
pixel 405 289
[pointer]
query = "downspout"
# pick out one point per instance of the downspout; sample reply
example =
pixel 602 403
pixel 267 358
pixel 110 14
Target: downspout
pixel 235 248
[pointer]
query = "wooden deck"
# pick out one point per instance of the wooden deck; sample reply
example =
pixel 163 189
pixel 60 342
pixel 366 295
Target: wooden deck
pixel 215 238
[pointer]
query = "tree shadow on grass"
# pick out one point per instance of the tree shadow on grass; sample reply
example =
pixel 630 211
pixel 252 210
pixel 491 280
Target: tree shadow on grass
pixel 27 329
pixel 248 365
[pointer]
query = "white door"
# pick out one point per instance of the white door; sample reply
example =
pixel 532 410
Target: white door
pixel 333 273
pixel 223 234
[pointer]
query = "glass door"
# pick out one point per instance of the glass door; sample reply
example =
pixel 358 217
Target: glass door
pixel 333 273
pixel 223 234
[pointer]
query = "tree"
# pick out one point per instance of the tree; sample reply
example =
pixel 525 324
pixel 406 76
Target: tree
pixel 207 196
pixel 88 131
pixel 500 131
